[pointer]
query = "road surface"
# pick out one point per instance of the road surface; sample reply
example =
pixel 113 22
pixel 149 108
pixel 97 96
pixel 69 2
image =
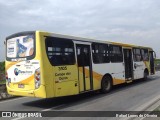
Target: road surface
pixel 126 97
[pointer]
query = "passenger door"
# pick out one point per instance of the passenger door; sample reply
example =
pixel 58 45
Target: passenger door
pixel 138 64
pixel 128 63
pixel 84 67
pixel 152 66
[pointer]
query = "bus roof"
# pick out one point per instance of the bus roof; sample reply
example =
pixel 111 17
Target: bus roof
pixel 91 40
pixel 78 38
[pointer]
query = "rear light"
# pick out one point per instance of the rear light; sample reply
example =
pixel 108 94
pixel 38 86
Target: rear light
pixel 37 78
pixel 8 80
pixel 6 76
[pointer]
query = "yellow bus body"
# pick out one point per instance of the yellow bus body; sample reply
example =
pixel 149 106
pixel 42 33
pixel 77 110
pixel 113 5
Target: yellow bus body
pixel 56 82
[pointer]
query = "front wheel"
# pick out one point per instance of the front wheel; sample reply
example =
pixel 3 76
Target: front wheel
pixel 145 75
pixel 106 84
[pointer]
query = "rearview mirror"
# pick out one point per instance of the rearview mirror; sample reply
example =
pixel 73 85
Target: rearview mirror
pixel 154 54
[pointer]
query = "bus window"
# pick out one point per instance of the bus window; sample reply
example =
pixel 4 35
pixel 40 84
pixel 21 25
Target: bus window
pixel 116 53
pixel 137 54
pixel 145 55
pixel 60 51
pixel 100 53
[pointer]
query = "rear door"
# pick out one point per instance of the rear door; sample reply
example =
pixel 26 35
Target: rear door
pixel 128 63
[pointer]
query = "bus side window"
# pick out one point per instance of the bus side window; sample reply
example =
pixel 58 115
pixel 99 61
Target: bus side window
pixel 145 55
pixel 116 54
pixel 100 53
pixel 137 54
pixel 60 51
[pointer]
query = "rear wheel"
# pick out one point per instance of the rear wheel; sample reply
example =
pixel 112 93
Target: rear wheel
pixel 106 84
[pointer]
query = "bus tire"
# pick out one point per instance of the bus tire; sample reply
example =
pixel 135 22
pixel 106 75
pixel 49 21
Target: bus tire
pixel 106 84
pixel 145 77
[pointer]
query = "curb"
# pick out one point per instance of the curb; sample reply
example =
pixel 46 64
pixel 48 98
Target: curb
pixel 3 94
pixel 148 106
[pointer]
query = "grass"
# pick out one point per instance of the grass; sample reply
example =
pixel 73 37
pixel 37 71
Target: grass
pixel 2 81
pixel 157 109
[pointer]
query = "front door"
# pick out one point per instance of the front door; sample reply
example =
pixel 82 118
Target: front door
pixel 128 63
pixel 84 67
pixel 151 62
pixel 138 64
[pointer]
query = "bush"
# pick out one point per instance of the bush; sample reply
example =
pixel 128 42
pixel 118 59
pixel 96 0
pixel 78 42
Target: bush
pixel 157 61
pixel 2 66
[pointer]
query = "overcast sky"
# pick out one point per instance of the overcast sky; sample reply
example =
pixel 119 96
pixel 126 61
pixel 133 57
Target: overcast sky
pixel 129 21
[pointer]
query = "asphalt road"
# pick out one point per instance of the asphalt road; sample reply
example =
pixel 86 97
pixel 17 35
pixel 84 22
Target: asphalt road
pixel 126 97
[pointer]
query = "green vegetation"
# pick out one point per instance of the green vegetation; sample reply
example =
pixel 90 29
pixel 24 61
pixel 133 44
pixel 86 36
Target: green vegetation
pixel 2 66
pixel 2 73
pixel 157 109
pixel 2 81
pixel 157 61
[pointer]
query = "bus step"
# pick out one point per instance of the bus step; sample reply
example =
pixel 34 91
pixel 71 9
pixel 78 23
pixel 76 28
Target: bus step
pixel 128 81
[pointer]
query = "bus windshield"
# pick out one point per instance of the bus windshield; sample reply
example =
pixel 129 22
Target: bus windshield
pixel 20 47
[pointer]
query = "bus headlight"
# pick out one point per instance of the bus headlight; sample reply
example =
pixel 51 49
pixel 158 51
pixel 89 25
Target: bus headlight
pixel 37 78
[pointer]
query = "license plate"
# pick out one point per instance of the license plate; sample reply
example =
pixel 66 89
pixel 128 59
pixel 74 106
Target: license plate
pixel 20 86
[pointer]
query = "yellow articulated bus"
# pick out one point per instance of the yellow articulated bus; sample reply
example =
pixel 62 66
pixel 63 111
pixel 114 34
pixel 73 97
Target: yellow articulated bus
pixel 46 65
